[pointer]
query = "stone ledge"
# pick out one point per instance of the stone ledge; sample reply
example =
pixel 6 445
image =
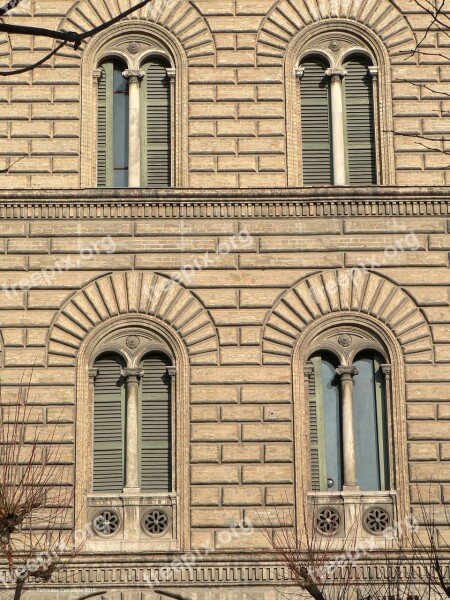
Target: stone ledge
pixel 243 203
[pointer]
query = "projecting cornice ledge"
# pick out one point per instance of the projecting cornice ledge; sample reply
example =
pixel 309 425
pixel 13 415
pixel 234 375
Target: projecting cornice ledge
pixel 232 203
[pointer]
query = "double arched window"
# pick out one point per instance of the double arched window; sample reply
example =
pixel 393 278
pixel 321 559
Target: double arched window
pixel 348 416
pixel 132 432
pixel 134 130
pixel 338 135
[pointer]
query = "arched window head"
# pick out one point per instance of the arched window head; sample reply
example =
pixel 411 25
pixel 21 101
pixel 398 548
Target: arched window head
pixel 348 412
pixel 338 90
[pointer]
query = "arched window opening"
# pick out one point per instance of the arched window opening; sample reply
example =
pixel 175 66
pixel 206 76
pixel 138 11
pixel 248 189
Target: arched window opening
pixel 156 424
pixel 316 123
pixel 325 425
pixel 360 121
pixel 338 134
pixel 156 124
pixel 348 418
pixel 370 417
pixel 109 425
pixel 112 125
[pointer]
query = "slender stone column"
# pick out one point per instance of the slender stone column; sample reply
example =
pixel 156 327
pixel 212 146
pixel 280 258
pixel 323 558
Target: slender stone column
pixel 348 429
pixel 132 377
pixel 134 133
pixel 337 125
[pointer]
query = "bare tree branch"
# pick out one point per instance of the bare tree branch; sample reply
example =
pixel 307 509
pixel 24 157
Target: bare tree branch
pixel 7 170
pixel 7 7
pixel 70 36
pixel 35 65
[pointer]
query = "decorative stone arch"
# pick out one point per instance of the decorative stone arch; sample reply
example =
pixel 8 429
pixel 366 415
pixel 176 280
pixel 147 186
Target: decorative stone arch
pixel 182 20
pixel 336 43
pixel 133 41
pixel 346 293
pixel 288 17
pixel 132 293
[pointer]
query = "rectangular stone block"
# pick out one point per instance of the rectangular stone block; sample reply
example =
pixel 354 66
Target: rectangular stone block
pixel 264 474
pixel 242 496
pixel 206 432
pixel 263 432
pixel 241 453
pixel 205 453
pixel 201 474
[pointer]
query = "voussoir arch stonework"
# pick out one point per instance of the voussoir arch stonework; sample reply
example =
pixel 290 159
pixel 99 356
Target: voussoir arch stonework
pixel 288 17
pixel 181 19
pixel 133 293
pixel 345 291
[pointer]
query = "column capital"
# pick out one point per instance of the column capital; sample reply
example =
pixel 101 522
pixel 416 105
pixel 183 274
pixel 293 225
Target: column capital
pixel 132 375
pixel 97 74
pixel 134 75
pixel 373 72
pixel 299 72
pixel 346 373
pixel 387 370
pixel 308 370
pixel 172 371
pixel 93 374
pixel 171 73
pixel 336 74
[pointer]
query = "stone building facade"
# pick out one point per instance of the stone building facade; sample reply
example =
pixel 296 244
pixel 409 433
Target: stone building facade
pixel 240 274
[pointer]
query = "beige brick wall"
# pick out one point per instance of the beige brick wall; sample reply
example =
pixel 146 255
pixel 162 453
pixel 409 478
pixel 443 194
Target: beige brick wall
pixel 241 452
pixel 236 93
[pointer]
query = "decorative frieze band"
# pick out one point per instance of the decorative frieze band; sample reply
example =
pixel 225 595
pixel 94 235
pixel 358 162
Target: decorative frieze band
pixel 239 209
pixel 261 574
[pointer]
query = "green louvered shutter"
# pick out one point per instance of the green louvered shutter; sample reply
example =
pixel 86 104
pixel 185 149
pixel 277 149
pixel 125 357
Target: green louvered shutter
pixel 316 428
pixel 156 425
pixel 156 141
pixel 109 425
pixel 103 118
pixel 360 122
pixel 316 122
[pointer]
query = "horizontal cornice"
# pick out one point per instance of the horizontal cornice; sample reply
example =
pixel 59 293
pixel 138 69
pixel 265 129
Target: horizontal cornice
pixel 230 203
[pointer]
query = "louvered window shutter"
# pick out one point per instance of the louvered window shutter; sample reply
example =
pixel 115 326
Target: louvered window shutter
pixel 109 423
pixel 156 140
pixel 316 428
pixel 104 127
pixel 360 122
pixel 315 121
pixel 156 425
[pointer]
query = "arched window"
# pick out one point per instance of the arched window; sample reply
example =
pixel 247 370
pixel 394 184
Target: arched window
pixel 109 425
pixel 338 120
pixel 370 418
pixel 359 121
pixel 112 125
pixel 132 425
pixel 134 123
pixel 348 423
pixel 156 124
pixel 155 424
pixel 316 133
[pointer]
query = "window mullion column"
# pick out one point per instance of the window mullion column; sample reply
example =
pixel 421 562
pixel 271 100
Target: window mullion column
pixel 134 135
pixel 337 125
pixel 348 428
pixel 132 377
